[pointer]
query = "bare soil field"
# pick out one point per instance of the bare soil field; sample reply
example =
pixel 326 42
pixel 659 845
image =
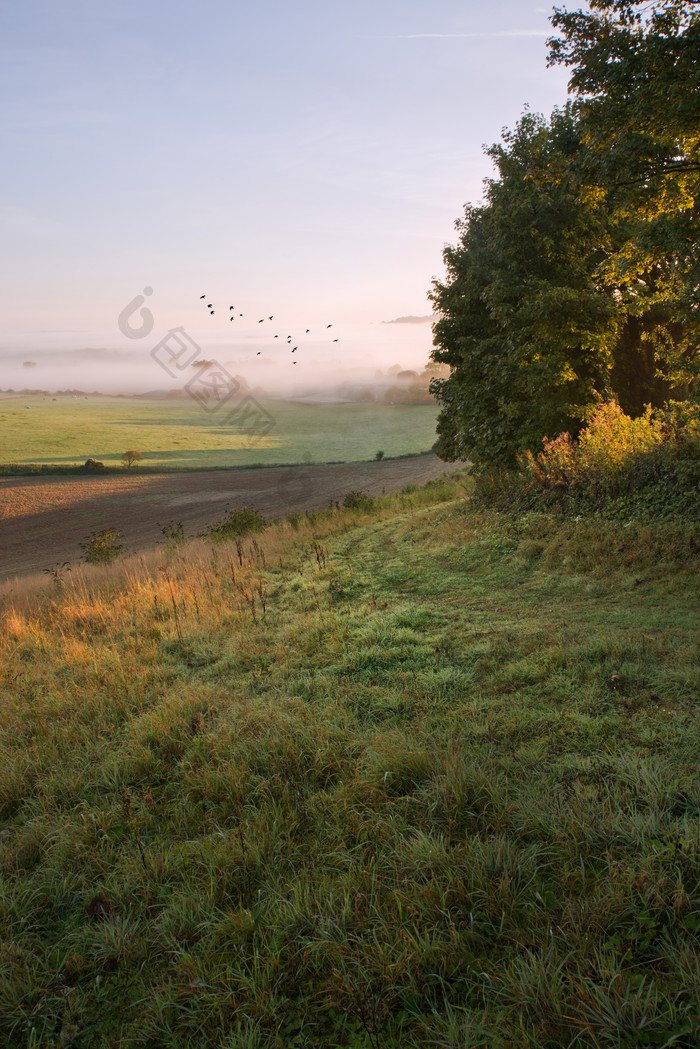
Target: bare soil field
pixel 43 520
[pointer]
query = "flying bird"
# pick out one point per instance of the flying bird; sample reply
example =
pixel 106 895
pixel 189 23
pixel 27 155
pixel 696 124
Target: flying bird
pixel 202 296
pixel 269 318
pixel 230 307
pixel 329 325
pixel 335 340
pixel 258 353
pixel 209 305
pixel 308 330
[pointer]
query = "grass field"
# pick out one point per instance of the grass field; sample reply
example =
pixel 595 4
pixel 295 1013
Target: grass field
pixel 420 776
pixel 181 435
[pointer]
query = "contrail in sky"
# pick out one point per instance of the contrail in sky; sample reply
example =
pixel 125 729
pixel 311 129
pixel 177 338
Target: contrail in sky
pixel 454 36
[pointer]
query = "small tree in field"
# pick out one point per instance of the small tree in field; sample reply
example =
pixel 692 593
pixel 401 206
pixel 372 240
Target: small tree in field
pixel 130 457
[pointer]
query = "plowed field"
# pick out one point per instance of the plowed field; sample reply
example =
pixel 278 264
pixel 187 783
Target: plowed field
pixel 43 520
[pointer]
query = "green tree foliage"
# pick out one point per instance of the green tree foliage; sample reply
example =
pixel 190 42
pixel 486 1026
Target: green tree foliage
pixel 524 326
pixel 636 69
pixel 636 80
pixel 578 278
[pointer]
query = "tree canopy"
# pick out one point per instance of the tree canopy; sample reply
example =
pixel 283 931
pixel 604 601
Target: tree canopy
pixel 130 457
pixel 576 279
pixel 636 79
pixel 521 321
pixel 636 69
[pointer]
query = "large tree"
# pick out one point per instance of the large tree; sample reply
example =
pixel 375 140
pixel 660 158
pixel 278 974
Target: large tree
pixel 636 81
pixel 525 327
pixel 578 278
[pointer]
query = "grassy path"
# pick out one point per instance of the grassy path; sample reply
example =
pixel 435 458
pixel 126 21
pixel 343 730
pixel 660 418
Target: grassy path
pixel 418 777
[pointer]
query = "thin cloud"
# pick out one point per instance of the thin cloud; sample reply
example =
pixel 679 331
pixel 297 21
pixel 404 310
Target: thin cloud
pixel 456 36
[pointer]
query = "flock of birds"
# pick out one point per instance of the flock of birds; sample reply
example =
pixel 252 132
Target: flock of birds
pixel 263 320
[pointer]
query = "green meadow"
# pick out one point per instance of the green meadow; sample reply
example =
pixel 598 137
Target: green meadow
pixel 179 434
pixel 403 774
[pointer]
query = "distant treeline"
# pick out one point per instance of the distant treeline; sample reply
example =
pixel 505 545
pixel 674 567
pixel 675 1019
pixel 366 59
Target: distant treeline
pixel 29 469
pixel 405 387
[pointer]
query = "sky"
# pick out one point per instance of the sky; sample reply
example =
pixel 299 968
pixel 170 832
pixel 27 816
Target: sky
pixel 305 161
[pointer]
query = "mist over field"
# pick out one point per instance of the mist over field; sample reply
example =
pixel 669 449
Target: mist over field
pixel 109 363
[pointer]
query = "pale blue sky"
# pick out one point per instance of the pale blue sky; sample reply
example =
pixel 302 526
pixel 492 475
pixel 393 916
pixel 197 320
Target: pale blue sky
pixel 305 159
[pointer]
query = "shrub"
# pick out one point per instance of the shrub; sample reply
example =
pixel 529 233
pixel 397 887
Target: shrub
pixel 358 501
pixel 626 467
pixel 173 532
pixel 605 450
pixel 379 456
pixel 102 547
pixel 94 466
pixel 237 524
